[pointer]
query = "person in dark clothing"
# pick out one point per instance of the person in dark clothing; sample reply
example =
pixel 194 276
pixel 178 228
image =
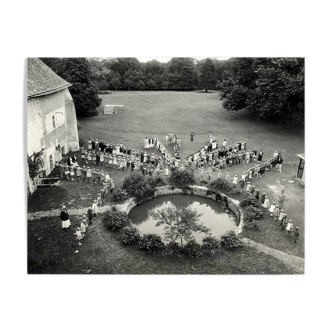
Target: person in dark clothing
pixel 260 155
pixel 74 243
pixel 64 216
pixel 90 215
pixel 192 136
pixel 296 234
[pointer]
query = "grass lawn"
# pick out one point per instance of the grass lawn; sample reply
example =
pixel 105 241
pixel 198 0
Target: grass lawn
pixel 155 113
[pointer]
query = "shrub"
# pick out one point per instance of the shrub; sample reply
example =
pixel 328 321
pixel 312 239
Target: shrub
pixel 231 240
pixel 251 225
pixel 192 249
pixel 119 195
pixel 114 219
pixel 182 177
pixel 136 185
pixel 210 243
pixel 249 200
pixel 151 243
pixel 173 249
pixel 155 180
pixel 251 213
pixel 130 235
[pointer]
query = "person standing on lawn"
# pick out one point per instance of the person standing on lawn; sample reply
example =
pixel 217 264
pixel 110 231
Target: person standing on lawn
pixel 260 155
pixel 263 198
pixel 279 162
pixel 95 208
pixel 281 199
pixel 192 136
pixel 64 216
pixel 289 227
pixel 90 215
pixel 266 202
pixel 74 243
pixel 296 234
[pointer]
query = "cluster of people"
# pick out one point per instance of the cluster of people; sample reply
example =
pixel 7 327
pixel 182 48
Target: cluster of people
pixel 276 210
pixel 171 138
pixel 226 155
pixel 80 230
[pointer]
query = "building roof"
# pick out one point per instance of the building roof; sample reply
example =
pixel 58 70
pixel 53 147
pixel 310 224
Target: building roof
pixel 42 80
pixel 301 156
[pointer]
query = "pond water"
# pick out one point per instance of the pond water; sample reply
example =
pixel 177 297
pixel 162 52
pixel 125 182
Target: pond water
pixel 214 217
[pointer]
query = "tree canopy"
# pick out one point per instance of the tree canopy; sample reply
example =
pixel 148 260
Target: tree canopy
pixel 77 71
pixel 270 88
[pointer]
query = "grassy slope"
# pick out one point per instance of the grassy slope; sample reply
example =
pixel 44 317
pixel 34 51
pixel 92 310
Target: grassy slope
pixel 155 113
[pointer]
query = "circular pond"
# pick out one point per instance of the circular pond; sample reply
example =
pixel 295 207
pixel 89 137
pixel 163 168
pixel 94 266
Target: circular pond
pixel 213 216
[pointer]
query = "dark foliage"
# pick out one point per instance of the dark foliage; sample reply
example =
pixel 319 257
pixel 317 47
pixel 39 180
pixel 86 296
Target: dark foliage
pixel 130 235
pixel 137 185
pixel 34 161
pixel 192 249
pixel 231 240
pixel 119 195
pixel 151 243
pixel 181 178
pixel 115 220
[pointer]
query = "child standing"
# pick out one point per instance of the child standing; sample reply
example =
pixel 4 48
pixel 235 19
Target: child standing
pixel 235 180
pixel 296 234
pixel 95 208
pixel 289 227
pixel 74 243
pixel 272 209
pixel 79 235
pixel 90 215
pixel 266 202
pixel 276 213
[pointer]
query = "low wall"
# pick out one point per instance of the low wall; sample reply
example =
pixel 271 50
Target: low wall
pixel 231 204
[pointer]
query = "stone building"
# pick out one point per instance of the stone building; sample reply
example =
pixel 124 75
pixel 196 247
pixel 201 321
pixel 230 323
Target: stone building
pixel 51 118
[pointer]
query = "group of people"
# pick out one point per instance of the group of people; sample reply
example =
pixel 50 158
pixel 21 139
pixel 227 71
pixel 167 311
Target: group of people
pixel 276 210
pixel 80 230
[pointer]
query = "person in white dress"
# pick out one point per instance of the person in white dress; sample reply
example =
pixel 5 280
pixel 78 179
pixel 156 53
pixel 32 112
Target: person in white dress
pixel 235 180
pixel 95 209
pixel 266 203
pixel 272 209
pixel 289 227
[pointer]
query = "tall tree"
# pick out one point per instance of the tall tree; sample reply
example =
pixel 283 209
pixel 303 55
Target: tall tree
pixel 77 71
pixel 270 88
pixel 207 79
pixel 178 223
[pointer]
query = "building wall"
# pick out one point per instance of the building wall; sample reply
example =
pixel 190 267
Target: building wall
pixel 52 125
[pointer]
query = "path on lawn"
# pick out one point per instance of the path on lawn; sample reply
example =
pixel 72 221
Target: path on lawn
pixel 294 262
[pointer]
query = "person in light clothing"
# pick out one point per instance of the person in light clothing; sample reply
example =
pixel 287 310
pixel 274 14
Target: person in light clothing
pixel 266 203
pixel 289 227
pixel 272 209
pixel 235 180
pixel 95 209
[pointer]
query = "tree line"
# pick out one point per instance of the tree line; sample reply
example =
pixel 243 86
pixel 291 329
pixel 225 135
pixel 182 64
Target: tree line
pixel 270 88
pixel 176 74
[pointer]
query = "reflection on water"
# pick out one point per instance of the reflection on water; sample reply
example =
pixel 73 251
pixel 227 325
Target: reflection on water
pixel 214 218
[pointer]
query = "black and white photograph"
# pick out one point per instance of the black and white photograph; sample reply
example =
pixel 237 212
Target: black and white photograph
pixel 175 165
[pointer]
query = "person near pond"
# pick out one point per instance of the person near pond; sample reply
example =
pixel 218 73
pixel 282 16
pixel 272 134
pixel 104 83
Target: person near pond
pixel 64 216
pixel 276 213
pixel 90 215
pixel 89 144
pixel 263 198
pixel 272 209
pixel 235 180
pixel 257 195
pixel 266 203
pixel 289 227
pixel 95 208
pixel 281 199
pixel 283 219
pixel 296 234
